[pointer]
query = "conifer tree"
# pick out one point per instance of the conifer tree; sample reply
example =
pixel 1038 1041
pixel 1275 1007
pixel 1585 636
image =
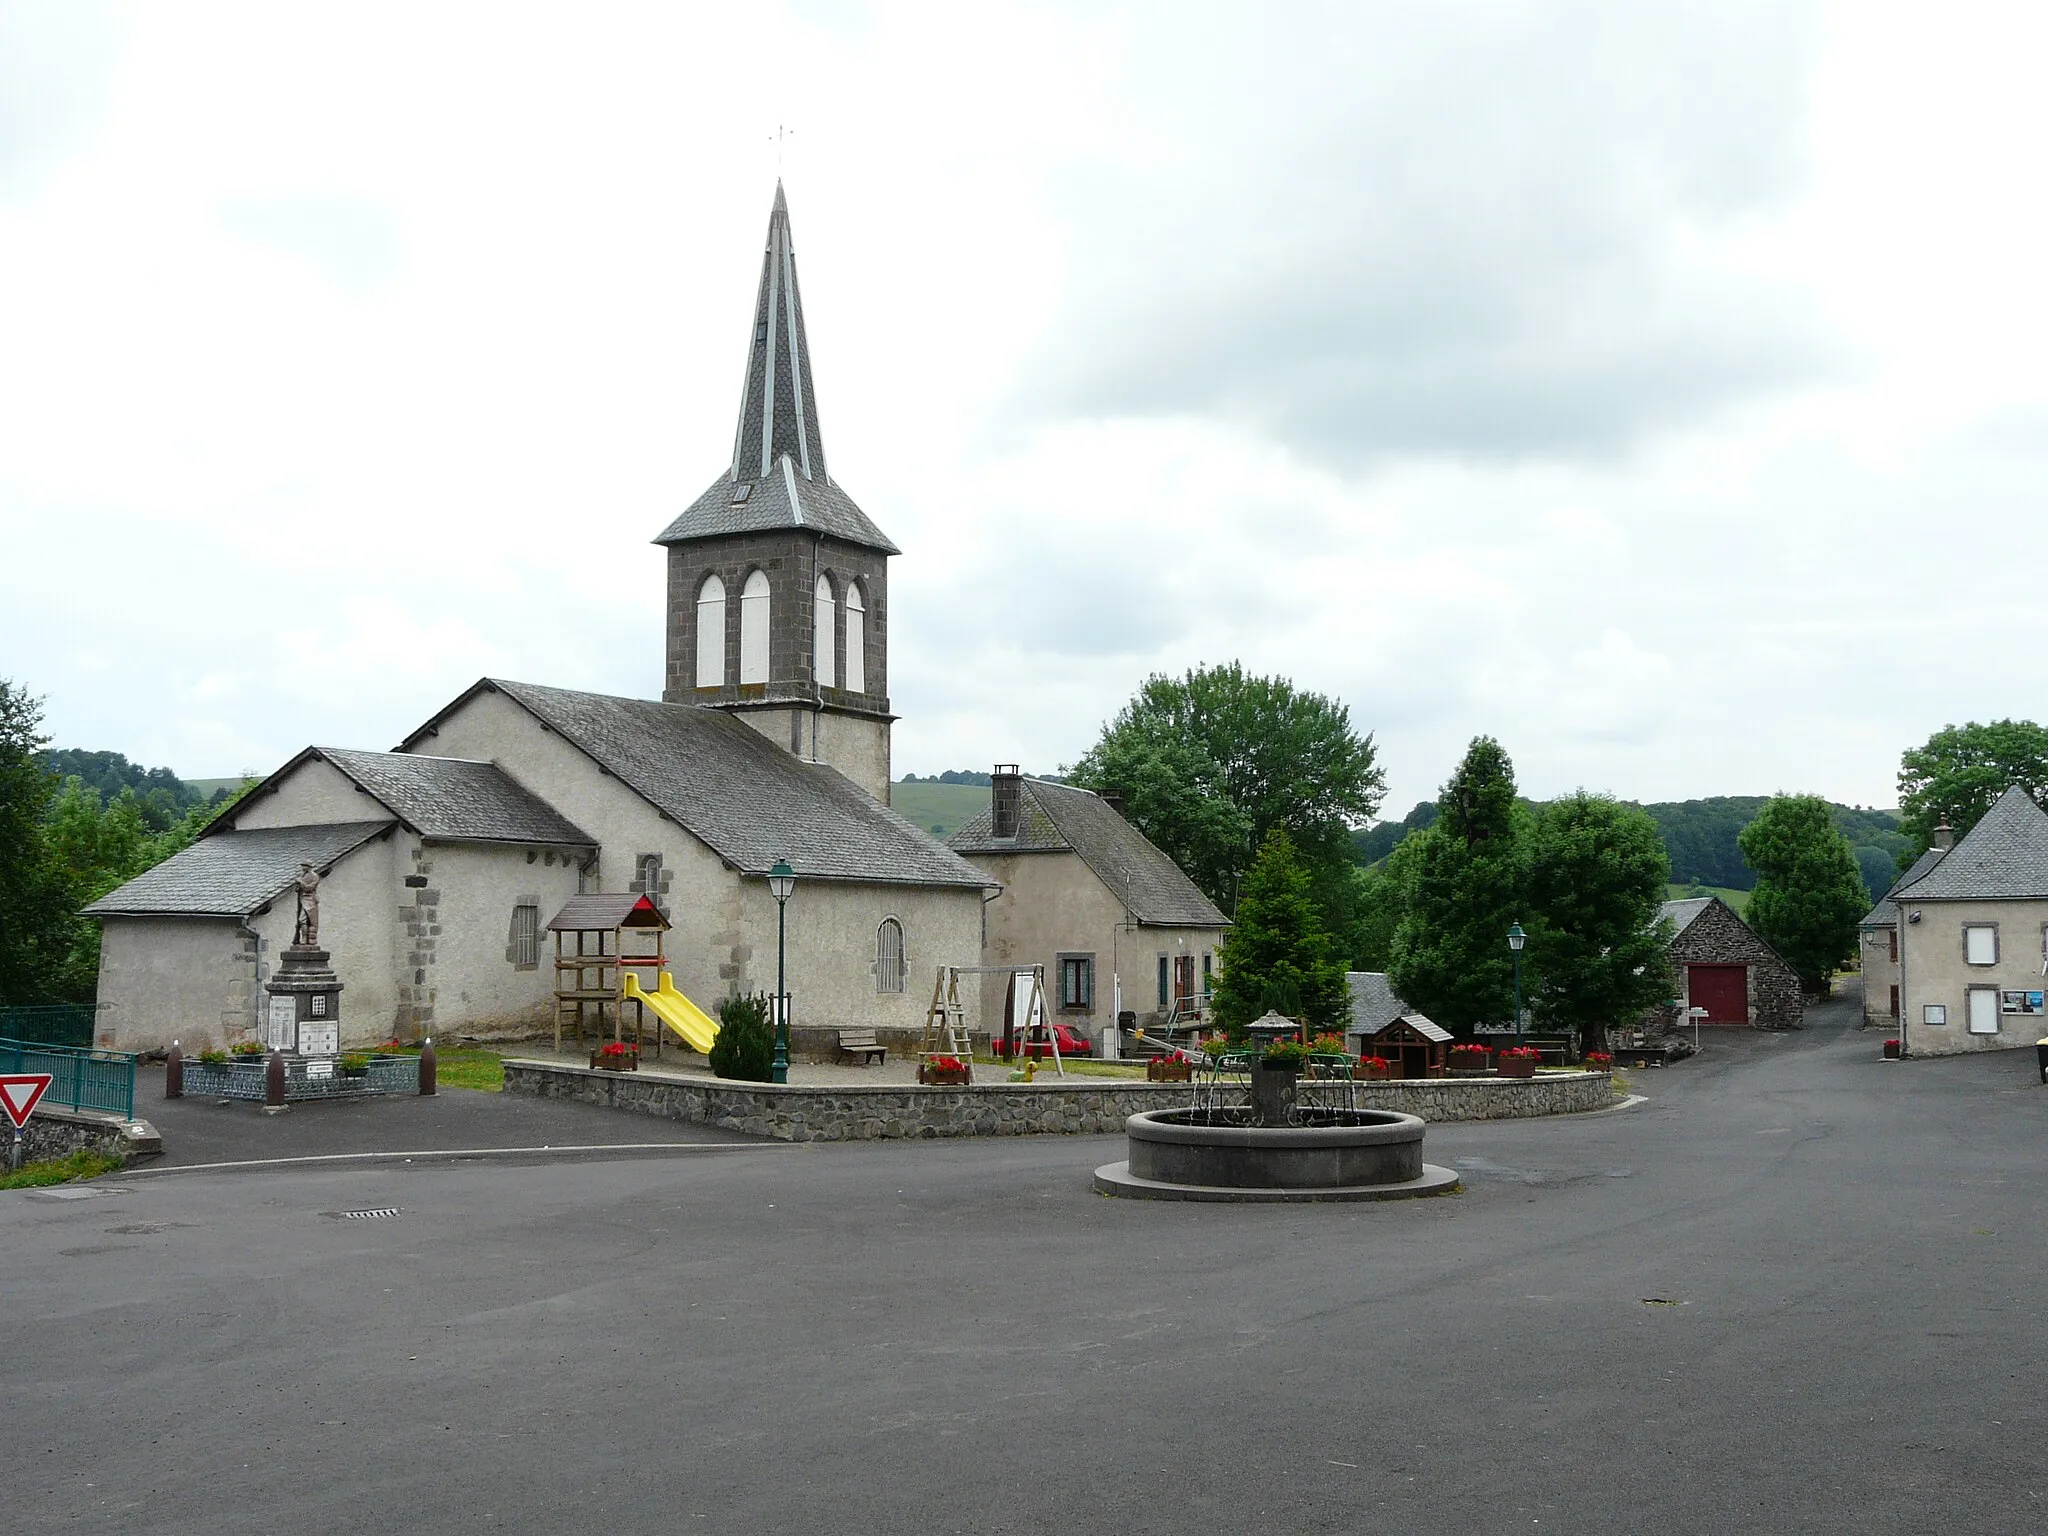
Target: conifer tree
pixel 1277 951
pixel 1465 887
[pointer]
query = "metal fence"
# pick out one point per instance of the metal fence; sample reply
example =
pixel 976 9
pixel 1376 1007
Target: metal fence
pixel 80 1079
pixel 317 1077
pixel 50 1024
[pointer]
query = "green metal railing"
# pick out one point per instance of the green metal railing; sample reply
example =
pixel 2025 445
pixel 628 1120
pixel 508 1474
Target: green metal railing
pixel 80 1079
pixel 49 1024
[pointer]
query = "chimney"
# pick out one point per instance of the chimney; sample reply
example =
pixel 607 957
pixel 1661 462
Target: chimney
pixel 1113 800
pixel 1006 797
pixel 1944 836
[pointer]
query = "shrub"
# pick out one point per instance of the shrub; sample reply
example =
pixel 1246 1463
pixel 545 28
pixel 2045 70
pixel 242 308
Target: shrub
pixel 745 1048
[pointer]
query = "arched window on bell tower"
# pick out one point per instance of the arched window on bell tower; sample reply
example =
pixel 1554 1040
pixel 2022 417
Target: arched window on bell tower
pixel 754 629
pixel 711 633
pixel 824 622
pixel 856 680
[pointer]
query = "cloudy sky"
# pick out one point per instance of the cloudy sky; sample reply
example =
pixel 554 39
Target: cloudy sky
pixel 1652 386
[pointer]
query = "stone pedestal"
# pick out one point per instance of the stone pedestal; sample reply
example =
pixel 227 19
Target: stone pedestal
pixel 304 1016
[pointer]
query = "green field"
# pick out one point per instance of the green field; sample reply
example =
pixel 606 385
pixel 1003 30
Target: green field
pixel 942 809
pixel 1739 900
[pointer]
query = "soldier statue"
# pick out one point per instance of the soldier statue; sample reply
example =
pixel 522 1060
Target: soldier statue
pixel 307 933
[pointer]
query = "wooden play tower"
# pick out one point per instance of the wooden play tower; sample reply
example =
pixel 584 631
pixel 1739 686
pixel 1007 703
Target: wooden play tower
pixel 591 976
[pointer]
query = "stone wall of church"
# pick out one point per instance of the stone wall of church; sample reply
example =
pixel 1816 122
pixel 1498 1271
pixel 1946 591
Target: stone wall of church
pixel 316 792
pixel 723 938
pixel 791 560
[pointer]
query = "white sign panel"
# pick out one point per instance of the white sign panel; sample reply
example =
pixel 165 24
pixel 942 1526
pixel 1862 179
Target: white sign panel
pixel 284 1019
pixel 319 1039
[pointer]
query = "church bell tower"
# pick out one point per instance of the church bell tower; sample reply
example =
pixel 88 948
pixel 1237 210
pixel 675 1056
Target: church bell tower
pixel 778 585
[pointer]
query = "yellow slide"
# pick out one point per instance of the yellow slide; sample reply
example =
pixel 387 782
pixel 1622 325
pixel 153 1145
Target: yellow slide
pixel 697 1028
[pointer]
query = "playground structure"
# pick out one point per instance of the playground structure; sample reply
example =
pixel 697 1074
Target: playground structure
pixel 696 1028
pixel 593 977
pixel 945 1025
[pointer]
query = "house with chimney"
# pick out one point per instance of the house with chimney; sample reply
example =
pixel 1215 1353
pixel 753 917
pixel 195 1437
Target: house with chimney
pixel 1127 940
pixel 1971 927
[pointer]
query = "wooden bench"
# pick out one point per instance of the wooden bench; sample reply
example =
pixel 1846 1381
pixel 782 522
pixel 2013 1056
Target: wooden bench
pixel 862 1043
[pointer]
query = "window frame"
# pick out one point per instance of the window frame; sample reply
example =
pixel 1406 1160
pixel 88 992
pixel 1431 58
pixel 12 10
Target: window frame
pixel 1165 981
pixel 711 632
pixel 525 944
pixel 1970 1010
pixel 757 596
pixel 1082 966
pixel 853 662
pixel 887 966
pixel 824 633
pixel 1970 930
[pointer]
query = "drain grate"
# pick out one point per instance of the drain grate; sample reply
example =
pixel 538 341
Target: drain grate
pixel 387 1210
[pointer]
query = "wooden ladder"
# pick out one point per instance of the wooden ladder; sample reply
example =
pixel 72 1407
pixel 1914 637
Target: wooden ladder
pixel 945 1024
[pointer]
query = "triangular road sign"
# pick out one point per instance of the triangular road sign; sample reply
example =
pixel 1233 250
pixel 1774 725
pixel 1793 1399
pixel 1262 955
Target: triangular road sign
pixel 19 1093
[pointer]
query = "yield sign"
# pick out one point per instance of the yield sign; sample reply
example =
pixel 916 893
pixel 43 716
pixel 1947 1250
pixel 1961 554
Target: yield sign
pixel 19 1093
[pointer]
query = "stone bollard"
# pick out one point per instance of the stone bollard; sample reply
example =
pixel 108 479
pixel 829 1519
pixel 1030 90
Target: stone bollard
pixel 174 1073
pixel 427 1067
pixel 273 1082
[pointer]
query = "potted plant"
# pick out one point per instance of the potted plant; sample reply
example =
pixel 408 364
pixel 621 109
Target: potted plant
pixel 1517 1061
pixel 1375 1069
pixel 1284 1055
pixel 1599 1061
pixel 214 1057
pixel 355 1064
pixel 1469 1060
pixel 943 1071
pixel 246 1051
pixel 1173 1068
pixel 1891 1050
pixel 616 1056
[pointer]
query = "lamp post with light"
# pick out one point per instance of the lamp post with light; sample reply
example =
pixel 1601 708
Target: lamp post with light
pixel 781 884
pixel 1516 939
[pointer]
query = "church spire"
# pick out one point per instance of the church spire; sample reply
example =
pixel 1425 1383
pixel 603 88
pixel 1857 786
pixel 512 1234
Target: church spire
pixel 778 410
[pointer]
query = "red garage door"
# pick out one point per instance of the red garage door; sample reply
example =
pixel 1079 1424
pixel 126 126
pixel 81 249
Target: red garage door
pixel 1723 990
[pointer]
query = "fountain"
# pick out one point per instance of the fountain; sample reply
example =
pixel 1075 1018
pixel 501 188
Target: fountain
pixel 1274 1148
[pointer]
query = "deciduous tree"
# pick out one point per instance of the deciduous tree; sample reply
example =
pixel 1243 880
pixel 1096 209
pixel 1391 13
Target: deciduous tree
pixel 1596 953
pixel 1961 770
pixel 1809 894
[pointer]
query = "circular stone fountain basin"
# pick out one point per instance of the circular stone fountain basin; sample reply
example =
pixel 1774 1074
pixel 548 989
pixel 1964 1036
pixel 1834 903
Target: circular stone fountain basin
pixel 1334 1154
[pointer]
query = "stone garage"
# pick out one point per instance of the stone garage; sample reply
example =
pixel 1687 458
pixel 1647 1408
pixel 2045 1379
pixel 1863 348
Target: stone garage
pixel 1720 964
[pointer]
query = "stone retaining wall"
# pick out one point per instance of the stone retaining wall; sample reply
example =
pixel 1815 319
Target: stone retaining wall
pixel 53 1133
pixel 1080 1107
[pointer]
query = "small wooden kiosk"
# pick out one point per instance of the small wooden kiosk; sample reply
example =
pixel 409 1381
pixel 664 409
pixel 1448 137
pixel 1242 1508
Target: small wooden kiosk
pixel 593 974
pixel 1413 1046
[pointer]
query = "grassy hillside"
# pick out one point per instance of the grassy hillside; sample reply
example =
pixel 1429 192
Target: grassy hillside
pixel 1736 899
pixel 942 809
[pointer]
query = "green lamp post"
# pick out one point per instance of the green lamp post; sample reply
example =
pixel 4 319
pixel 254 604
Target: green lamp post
pixel 1516 939
pixel 781 883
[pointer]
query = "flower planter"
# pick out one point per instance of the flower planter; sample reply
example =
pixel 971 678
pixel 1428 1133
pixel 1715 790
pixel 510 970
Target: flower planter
pixel 603 1063
pixel 1169 1072
pixel 1891 1050
pixel 941 1077
pixel 1375 1074
pixel 1512 1066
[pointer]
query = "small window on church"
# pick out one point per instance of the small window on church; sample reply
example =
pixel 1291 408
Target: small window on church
pixel 754 629
pixel 742 491
pixel 856 680
pixel 824 621
pixel 711 633
pixel 890 963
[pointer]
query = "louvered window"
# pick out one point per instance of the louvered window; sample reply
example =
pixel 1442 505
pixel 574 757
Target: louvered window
pixel 890 962
pixel 525 936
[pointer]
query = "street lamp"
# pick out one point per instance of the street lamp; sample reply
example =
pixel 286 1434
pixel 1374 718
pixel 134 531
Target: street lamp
pixel 1516 939
pixel 781 883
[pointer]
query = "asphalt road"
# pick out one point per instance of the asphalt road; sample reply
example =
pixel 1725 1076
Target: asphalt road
pixel 1797 1290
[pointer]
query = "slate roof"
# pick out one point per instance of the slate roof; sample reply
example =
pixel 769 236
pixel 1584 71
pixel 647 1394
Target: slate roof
pixel 452 798
pixel 231 874
pixel 606 909
pixel 1374 1002
pixel 1886 913
pixel 736 791
pixel 1683 912
pixel 2003 858
pixel 777 478
pixel 1058 817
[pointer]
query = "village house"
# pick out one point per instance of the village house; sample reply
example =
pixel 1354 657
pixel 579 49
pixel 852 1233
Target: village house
pixel 1126 939
pixel 1721 965
pixel 1972 934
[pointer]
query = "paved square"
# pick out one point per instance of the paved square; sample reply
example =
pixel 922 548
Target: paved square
pixel 1797 1290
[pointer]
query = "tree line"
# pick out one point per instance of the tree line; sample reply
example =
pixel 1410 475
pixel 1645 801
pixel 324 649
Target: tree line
pixel 74 825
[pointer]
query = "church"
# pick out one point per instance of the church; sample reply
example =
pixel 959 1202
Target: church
pixel 442 861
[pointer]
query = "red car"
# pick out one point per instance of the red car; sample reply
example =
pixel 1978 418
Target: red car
pixel 1070 1043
